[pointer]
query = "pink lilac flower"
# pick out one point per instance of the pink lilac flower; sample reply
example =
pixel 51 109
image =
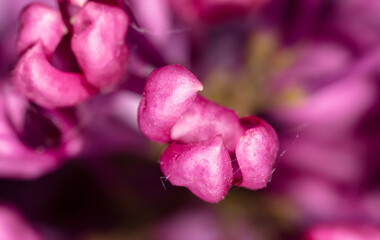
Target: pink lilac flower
pixel 99 49
pixel 9 14
pixel 33 141
pixel 204 136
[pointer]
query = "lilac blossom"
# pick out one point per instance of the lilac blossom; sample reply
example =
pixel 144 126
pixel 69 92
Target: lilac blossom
pixel 10 12
pixel 33 141
pixel 203 167
pixel 203 137
pixel 78 94
pixel 176 93
pixel 256 152
pixel 102 60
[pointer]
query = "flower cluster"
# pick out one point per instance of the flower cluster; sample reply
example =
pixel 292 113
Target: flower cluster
pixel 76 97
pixel 210 147
pixel 99 50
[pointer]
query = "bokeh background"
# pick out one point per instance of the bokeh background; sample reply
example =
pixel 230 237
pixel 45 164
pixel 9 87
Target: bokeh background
pixel 308 67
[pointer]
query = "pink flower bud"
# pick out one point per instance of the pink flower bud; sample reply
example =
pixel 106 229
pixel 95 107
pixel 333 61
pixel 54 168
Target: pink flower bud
pixel 256 153
pixel 40 23
pixel 203 167
pixel 169 91
pixel 37 79
pixel 98 43
pixel 206 119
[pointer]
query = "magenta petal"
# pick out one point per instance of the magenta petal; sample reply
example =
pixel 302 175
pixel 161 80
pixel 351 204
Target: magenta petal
pixel 169 91
pixel 206 119
pixel 39 81
pixel 20 162
pixel 204 168
pixel 99 43
pixel 17 160
pixel 14 227
pixel 256 153
pixel 40 23
pixel 154 17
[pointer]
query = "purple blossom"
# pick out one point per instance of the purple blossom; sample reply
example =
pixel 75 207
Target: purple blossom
pixel 203 137
pixel 203 167
pixel 78 94
pixel 100 51
pixel 33 141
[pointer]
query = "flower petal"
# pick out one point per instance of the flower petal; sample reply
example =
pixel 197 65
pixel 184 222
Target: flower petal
pixel 40 23
pixel 99 43
pixel 169 91
pixel 39 81
pixel 14 226
pixel 206 119
pixel 204 167
pixel 256 153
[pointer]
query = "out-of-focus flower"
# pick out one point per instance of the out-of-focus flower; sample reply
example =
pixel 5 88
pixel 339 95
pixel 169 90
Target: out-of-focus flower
pixel 14 227
pixel 171 111
pixel 327 20
pixel 153 21
pixel 343 232
pixel 202 224
pixel 324 108
pixel 97 41
pixel 115 130
pixel 9 15
pixel 33 141
pixel 194 224
pixel 211 11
